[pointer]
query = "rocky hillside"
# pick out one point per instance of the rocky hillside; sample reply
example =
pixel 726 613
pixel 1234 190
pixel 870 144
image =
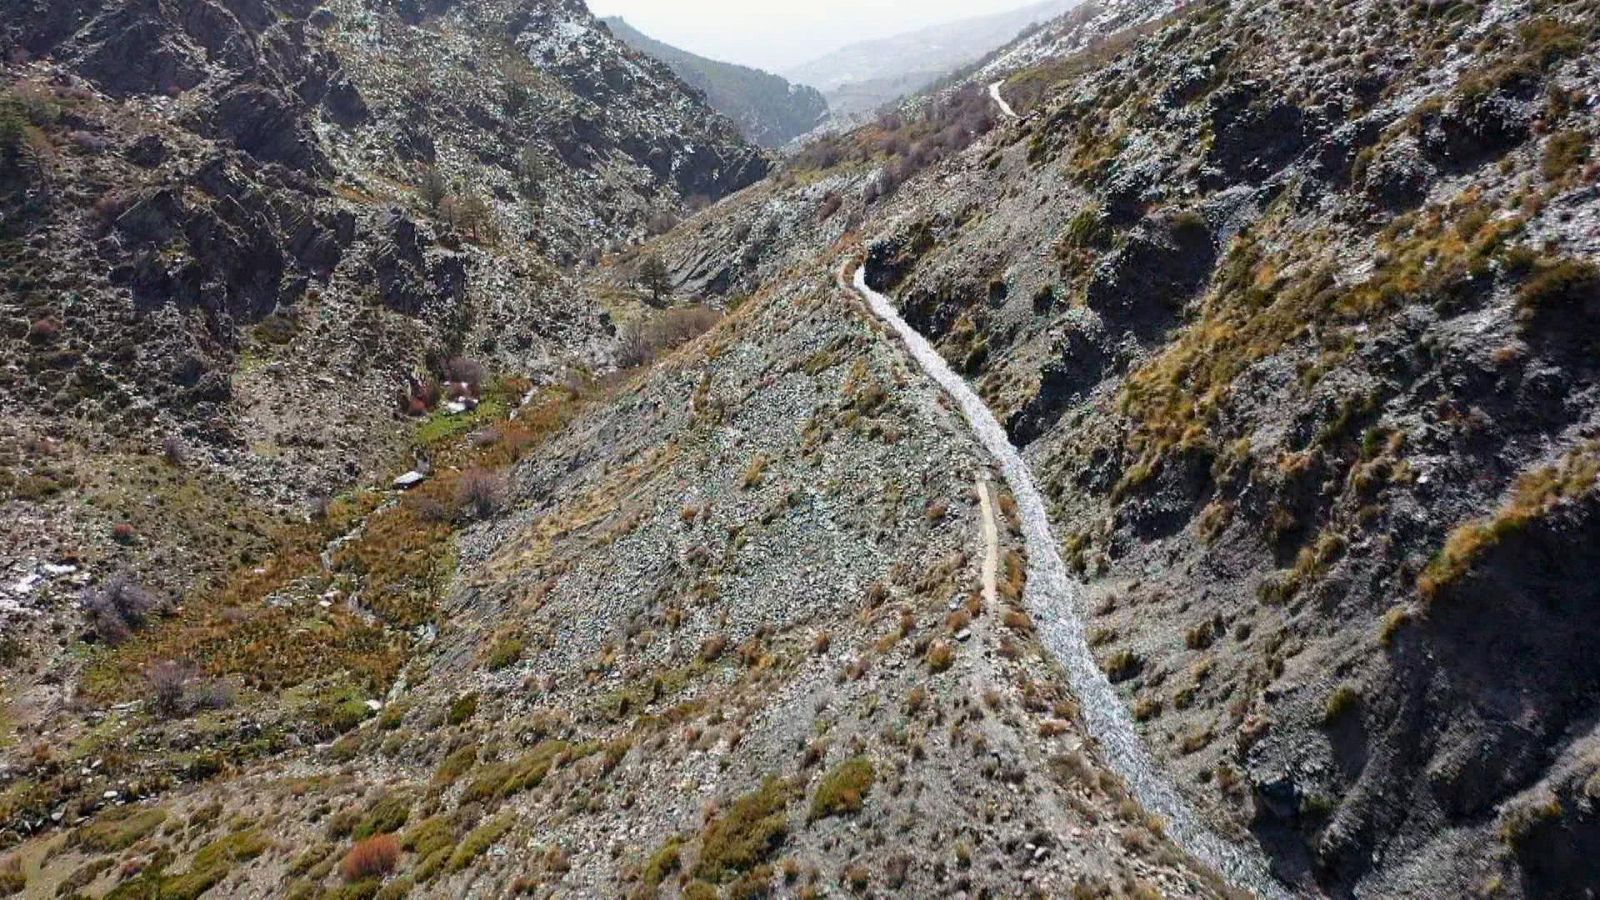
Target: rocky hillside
pixel 768 110
pixel 255 254
pixel 1292 312
pixel 1290 308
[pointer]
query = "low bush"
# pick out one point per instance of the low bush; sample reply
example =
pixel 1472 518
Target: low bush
pixel 479 841
pixel 464 708
pixel 119 608
pixel 747 834
pixel 374 857
pixel 663 862
pixel 118 829
pixel 1341 703
pixel 167 682
pixel 1564 154
pixel 506 653
pixel 843 790
pixel 1535 495
pixel 12 879
pixel 663 332
pixel 1559 295
pixel 387 815
pixel 481 493
pixel 1122 665
pixel 468 374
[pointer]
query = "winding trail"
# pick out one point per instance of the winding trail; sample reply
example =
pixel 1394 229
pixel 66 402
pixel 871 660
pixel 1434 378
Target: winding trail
pixel 1052 599
pixel 994 92
pixel 991 546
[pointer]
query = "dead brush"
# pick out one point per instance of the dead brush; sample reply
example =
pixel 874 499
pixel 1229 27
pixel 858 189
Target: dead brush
pixel 374 857
pixel 481 493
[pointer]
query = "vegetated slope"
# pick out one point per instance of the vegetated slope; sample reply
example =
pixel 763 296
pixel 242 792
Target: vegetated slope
pixel 241 246
pixel 724 632
pixel 768 109
pixel 1293 308
pixel 862 77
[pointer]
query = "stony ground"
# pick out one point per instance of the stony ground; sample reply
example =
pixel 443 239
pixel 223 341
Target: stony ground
pixel 1291 307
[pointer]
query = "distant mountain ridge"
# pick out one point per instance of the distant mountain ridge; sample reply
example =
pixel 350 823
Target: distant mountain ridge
pixel 767 108
pixel 861 77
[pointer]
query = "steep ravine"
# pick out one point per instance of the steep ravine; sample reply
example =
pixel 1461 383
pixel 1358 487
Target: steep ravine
pixel 1054 603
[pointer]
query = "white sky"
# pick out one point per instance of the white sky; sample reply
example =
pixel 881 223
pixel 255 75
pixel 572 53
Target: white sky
pixel 774 34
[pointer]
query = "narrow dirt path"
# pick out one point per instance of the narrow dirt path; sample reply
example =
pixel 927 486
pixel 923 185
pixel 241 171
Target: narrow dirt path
pixel 1005 108
pixel 991 547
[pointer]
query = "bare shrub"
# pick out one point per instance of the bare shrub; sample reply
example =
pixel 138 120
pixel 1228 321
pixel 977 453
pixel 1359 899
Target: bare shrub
pixel 173 450
pixel 167 682
pixel 211 693
pixel 830 205
pixel 481 492
pixel 642 344
pixel 421 397
pixel 634 350
pixel 119 608
pixel 317 508
pixel 679 326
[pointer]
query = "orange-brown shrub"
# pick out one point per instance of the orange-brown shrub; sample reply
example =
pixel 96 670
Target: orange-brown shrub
pixel 374 857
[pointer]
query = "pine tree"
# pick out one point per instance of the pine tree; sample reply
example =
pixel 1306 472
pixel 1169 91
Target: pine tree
pixel 654 277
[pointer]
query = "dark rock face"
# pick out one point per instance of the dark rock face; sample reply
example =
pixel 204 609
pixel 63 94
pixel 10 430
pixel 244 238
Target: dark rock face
pixel 1256 132
pixel 1142 286
pixel 267 125
pixel 405 275
pixel 1476 128
pixel 1063 380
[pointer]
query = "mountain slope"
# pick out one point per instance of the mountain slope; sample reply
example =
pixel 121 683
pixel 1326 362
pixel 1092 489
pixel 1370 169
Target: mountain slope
pixel 1291 310
pixel 862 77
pixel 1296 328
pixel 768 110
pixel 254 254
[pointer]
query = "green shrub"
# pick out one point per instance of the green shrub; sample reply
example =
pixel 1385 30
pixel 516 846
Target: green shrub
pixel 844 790
pixel 1087 229
pixel 1557 291
pixel 744 836
pixel 211 865
pixel 663 862
pixel 387 816
pixel 1518 820
pixel 508 779
pixel 699 890
pixel 1341 703
pixel 463 709
pixel 13 126
pixel 458 763
pixel 1548 40
pixel 119 829
pixel 1564 153
pixel 1122 665
pixel 429 836
pixel 506 653
pixel 1535 495
pixel 480 840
